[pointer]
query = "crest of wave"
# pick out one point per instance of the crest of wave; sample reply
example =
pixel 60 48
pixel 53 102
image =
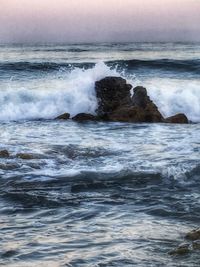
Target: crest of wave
pixel 48 97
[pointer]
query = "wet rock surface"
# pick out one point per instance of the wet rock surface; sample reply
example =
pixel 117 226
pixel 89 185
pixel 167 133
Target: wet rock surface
pixel 116 104
pixel 181 250
pixel 193 244
pixel 64 116
pixel 81 117
pixel 112 93
pixel 193 235
pixel 178 118
pixel 196 245
pixel 25 156
pixel 141 100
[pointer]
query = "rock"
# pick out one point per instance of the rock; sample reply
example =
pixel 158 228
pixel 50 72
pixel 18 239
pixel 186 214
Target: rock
pixel 127 114
pixel 181 250
pixel 25 156
pixel 193 235
pixel 142 100
pixel 64 116
pixel 9 253
pixel 178 118
pixel 4 154
pixel 112 92
pixel 140 97
pixel 142 109
pixel 115 102
pixel 196 245
pixel 81 117
pixel 8 167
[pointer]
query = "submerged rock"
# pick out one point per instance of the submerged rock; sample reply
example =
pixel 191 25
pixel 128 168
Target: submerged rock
pixel 4 154
pixel 196 245
pixel 193 235
pixel 9 166
pixel 25 156
pixel 181 250
pixel 8 253
pixel 64 116
pixel 178 118
pixel 81 117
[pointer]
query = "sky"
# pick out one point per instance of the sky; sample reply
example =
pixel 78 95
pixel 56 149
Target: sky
pixel 24 21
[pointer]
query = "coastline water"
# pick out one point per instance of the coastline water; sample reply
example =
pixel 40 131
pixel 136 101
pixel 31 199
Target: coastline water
pixel 97 194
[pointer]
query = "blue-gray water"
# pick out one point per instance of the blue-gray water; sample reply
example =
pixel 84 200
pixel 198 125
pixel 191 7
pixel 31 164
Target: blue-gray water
pixel 97 194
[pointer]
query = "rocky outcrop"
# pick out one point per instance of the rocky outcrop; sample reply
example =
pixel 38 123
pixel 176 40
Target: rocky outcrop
pixel 178 118
pixel 112 93
pixel 116 104
pixel 81 117
pixel 141 100
pixel 64 116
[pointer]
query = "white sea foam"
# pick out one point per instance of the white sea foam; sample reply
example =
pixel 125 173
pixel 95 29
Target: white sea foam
pixel 175 96
pixel 74 92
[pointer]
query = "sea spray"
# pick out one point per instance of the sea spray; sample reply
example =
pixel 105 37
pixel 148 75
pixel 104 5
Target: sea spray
pixel 176 96
pixel 73 91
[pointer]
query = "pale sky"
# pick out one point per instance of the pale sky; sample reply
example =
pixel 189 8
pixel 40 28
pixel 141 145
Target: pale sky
pixel 99 20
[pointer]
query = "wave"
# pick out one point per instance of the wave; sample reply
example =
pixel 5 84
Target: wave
pixel 104 187
pixel 42 66
pixel 190 66
pixel 74 92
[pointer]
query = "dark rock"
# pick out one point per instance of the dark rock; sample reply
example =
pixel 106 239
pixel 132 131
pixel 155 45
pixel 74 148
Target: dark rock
pixel 115 102
pixel 141 109
pixel 178 118
pixel 64 116
pixel 196 245
pixel 112 92
pixel 142 100
pixel 9 254
pixel 140 97
pixel 8 167
pixel 81 117
pixel 193 235
pixel 25 156
pixel 181 250
pixel 4 154
pixel 127 114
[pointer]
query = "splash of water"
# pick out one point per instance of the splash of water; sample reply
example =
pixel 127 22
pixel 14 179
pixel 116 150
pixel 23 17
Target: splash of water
pixel 74 92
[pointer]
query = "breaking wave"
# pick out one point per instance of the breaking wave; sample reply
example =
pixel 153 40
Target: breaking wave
pixel 73 92
pixel 190 65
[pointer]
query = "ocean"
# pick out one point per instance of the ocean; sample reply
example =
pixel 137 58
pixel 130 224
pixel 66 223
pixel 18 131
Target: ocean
pixel 97 194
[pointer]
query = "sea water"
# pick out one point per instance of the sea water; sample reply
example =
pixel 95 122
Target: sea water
pixel 97 194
